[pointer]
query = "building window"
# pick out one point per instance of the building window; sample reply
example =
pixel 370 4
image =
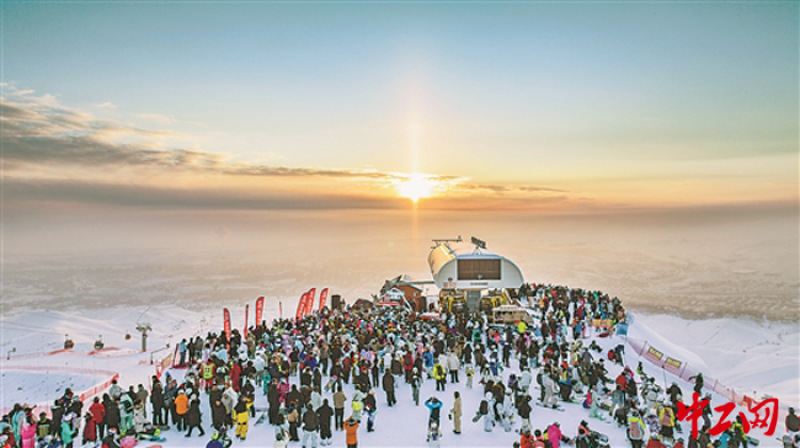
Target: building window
pixel 479 269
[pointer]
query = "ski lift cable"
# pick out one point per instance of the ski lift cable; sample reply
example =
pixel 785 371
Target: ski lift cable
pixel 143 313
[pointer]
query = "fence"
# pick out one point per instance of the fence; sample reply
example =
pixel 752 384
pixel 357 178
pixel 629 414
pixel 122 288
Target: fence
pixel 682 370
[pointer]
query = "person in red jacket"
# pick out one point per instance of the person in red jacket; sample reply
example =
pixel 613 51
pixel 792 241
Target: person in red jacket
pixel 526 441
pixel 98 412
pixel 236 375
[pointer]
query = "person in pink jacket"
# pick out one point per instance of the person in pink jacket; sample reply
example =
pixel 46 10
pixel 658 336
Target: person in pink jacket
pixel 554 435
pixel 28 434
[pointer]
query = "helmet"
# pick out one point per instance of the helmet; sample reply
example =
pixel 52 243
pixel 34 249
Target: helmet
pixel 214 435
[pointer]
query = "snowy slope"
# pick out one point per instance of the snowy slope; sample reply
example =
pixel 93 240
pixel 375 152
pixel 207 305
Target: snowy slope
pixel 404 425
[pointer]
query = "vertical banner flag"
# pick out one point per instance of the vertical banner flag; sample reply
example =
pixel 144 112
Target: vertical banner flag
pixel 310 303
pixel 246 312
pixel 259 309
pixel 227 326
pixel 301 306
pixel 323 297
pixel 280 310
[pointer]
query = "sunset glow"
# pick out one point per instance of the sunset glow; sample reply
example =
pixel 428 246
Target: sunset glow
pixel 417 186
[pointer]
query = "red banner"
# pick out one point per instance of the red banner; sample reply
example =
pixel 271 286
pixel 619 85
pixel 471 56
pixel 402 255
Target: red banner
pixel 259 309
pixel 227 327
pixel 301 306
pixel 310 302
pixel 246 313
pixel 280 309
pixel 323 297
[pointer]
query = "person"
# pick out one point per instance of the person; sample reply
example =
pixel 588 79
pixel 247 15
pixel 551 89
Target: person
pixel 416 383
pixel 792 423
pixel 241 415
pixel 388 388
pixel 98 412
pixel 281 440
pixel 125 413
pixel 352 433
pixel 181 408
pixel 434 436
pixel 453 365
pixel 68 431
pixel 293 418
pixel 310 427
pixel 434 405
pixel 28 433
pixel 524 409
pixel 339 399
pixel 43 426
pixel 456 412
pixel 698 382
pixel 636 430
pixel 470 372
pixel 667 418
pixel 324 414
pixel 182 350
pixel 194 417
pixel 371 407
pixel 439 376
pixel 110 440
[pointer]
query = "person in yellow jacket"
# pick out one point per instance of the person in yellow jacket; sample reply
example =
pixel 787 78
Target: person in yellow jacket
pixel 521 327
pixel 241 415
pixel 439 375
pixel 667 419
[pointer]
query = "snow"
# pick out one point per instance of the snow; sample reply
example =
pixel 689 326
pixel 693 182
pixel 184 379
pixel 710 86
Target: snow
pixel 24 386
pixel 741 353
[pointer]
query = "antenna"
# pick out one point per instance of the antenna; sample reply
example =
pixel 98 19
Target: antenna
pixel 439 242
pixel 479 244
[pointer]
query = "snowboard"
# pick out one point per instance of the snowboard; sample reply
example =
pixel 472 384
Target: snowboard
pixel 261 418
pixel 539 403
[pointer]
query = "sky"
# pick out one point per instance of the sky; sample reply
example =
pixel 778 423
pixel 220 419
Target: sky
pixel 540 107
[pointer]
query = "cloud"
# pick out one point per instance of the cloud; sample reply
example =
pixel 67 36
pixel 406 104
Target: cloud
pixel 503 189
pixel 106 105
pixel 42 136
pixel 122 195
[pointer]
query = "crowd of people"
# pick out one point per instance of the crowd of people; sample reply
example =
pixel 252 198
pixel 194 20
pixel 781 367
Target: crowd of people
pixel 331 370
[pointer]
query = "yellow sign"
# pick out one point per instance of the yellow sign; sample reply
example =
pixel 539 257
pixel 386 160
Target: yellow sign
pixel 655 353
pixel 673 363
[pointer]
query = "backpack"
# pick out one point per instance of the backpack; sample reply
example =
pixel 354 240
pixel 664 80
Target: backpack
pixel 666 417
pixel 634 430
pixel 484 408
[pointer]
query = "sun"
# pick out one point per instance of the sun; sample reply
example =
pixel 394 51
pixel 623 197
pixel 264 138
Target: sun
pixel 416 186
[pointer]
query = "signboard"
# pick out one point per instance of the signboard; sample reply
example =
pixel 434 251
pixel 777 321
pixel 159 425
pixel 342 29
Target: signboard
pixel 672 363
pixel 622 329
pixel 652 352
